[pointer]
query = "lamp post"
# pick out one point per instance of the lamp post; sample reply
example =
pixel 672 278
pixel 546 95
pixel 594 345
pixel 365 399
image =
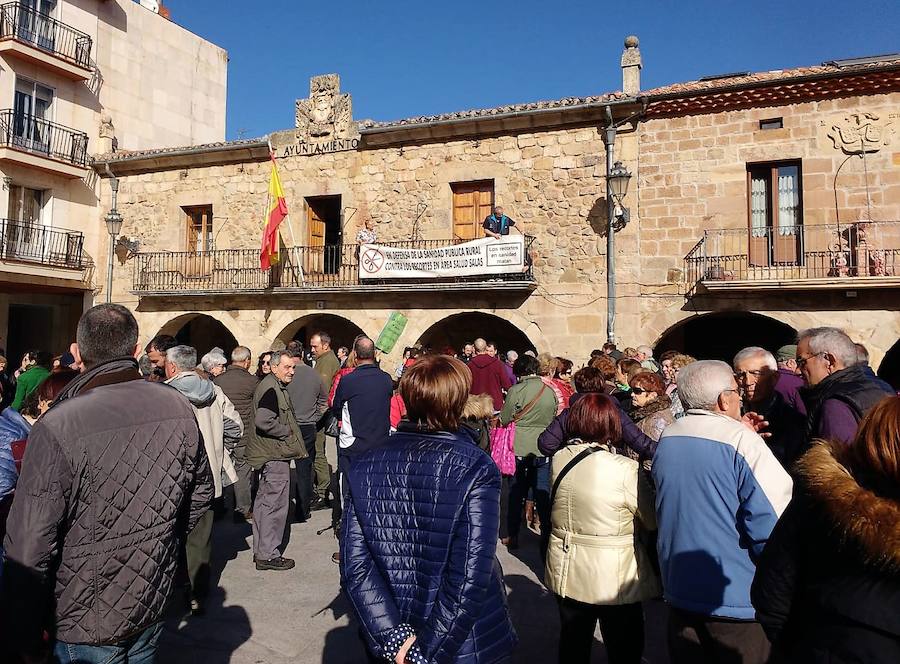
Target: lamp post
pixel 113 227
pixel 617 178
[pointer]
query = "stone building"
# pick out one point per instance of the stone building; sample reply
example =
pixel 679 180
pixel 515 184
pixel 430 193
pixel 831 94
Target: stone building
pixel 759 204
pixel 78 77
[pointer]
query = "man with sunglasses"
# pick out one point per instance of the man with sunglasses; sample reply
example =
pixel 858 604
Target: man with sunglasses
pixel 840 392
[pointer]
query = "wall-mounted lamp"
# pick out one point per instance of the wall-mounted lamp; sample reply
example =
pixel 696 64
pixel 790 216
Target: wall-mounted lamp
pixel 617 186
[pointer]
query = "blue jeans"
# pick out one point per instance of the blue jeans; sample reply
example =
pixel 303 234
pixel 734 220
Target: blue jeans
pixel 139 649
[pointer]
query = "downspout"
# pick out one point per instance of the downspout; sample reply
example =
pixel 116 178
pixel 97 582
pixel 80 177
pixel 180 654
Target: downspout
pixel 610 234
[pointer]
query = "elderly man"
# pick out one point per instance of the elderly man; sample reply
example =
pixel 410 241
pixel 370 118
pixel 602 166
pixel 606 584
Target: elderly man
pixel 214 362
pixel 221 427
pixel 757 375
pixel 276 441
pixel 497 224
pixel 511 357
pixel 488 375
pixel 790 382
pixel 327 365
pixel 720 491
pixel 645 357
pixel 840 391
pixel 239 384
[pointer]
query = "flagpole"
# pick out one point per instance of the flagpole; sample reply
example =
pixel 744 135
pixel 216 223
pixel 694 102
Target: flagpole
pixel 290 223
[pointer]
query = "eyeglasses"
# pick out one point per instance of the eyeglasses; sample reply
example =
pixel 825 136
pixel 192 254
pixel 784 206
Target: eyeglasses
pixel 756 373
pixel 801 361
pixel 729 390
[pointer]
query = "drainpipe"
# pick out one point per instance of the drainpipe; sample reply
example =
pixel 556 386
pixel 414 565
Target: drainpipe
pixel 610 141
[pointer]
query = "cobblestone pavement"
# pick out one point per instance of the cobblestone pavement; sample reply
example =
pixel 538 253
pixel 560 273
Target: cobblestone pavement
pixel 300 617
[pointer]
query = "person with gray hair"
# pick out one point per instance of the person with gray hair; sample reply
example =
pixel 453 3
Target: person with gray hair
pixel 213 363
pixel 757 375
pixel 276 441
pixel 239 384
pixel 840 391
pixel 645 357
pixel 511 357
pixel 221 427
pixel 714 470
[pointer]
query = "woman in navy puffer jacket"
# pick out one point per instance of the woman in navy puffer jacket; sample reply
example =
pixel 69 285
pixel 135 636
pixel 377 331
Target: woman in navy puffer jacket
pixel 420 533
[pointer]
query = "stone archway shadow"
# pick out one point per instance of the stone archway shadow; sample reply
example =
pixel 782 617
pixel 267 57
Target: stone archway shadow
pixel 342 330
pixel 455 330
pixel 889 369
pixel 720 335
pixel 201 331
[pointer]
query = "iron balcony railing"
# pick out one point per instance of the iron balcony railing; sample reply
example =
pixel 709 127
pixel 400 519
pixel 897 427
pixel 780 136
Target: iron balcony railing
pixel 826 251
pixel 49 139
pixel 238 270
pixel 33 243
pixel 26 24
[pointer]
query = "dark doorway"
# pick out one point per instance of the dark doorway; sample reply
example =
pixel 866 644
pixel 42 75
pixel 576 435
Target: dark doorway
pixel 719 336
pixel 205 333
pixel 889 370
pixel 30 328
pixel 457 330
pixel 324 234
pixel 341 330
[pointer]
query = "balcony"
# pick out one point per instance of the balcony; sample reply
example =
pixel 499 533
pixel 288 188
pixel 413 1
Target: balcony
pixel 864 254
pixel 22 242
pixel 31 141
pixel 36 37
pixel 327 269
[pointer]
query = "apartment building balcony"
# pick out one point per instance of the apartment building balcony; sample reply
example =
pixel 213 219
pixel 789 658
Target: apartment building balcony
pixel 37 143
pixel 845 256
pixel 33 244
pixel 31 35
pixel 324 269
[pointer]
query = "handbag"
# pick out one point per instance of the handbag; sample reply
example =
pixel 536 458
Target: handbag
pixel 329 424
pixel 503 439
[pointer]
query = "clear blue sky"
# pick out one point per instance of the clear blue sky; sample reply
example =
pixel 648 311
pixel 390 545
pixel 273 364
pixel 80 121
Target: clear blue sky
pixel 401 59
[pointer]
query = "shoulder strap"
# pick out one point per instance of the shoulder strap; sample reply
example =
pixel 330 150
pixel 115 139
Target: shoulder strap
pixel 528 406
pixel 581 456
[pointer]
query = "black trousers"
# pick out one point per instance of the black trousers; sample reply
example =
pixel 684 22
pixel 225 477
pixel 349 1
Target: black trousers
pixel 532 473
pixel 622 627
pixel 697 639
pixel 303 469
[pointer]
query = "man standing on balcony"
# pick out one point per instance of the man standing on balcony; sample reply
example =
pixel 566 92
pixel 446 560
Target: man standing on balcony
pixel 497 224
pixel 327 365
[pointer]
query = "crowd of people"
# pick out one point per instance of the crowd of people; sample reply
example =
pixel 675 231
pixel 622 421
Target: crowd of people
pixel 758 498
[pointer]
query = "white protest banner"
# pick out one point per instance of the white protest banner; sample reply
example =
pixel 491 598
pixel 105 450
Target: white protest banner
pixel 485 256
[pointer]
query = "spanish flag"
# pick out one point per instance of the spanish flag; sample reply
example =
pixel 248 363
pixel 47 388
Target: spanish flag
pixel 277 211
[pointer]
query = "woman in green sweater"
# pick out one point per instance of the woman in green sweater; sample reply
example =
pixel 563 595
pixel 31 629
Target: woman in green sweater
pixel 32 377
pixel 532 406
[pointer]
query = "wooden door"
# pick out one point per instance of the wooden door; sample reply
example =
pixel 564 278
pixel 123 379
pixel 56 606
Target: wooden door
pixel 472 202
pixel 315 240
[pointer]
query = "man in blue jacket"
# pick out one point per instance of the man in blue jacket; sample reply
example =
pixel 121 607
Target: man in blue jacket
pixel 497 224
pixel 720 491
pixel 362 404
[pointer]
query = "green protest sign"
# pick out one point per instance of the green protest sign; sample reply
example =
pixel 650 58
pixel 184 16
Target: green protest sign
pixel 389 336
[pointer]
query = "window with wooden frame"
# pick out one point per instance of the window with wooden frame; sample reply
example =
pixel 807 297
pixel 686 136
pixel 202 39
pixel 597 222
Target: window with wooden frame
pixel 775 211
pixel 199 228
pixel 472 203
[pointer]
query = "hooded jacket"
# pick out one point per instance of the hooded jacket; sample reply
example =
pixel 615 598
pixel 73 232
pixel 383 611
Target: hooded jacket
pixel 115 477
pixel 489 377
pixel 220 423
pixel 827 587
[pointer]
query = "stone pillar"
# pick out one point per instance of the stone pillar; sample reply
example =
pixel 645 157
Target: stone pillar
pixel 631 67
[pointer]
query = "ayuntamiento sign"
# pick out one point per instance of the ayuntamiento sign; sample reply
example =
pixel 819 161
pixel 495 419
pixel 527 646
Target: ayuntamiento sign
pixel 485 256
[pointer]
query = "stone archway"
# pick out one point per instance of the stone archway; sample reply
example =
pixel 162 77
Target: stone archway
pixel 201 331
pixel 342 330
pixel 458 329
pixel 720 335
pixel 889 369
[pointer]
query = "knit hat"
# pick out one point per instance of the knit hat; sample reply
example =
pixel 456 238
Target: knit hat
pixel 785 353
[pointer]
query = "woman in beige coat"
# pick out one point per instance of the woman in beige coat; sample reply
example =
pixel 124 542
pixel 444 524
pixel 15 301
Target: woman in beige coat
pixel 597 565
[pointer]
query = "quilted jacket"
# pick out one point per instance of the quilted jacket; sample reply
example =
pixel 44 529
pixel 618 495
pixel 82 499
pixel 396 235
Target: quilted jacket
pixel 113 477
pixel 419 544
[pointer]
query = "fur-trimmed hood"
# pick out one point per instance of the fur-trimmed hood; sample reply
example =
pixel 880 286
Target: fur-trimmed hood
pixel 862 518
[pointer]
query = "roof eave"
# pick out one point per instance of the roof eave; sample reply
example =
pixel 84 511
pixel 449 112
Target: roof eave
pixel 190 157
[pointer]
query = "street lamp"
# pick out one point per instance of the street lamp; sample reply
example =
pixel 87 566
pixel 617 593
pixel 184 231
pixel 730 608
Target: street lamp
pixel 113 227
pixel 617 184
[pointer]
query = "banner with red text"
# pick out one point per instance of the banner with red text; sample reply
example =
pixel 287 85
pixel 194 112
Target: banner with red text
pixel 478 257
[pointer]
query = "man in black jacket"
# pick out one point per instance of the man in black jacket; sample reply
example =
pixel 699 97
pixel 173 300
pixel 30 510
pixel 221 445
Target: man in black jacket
pixel 239 384
pixel 93 537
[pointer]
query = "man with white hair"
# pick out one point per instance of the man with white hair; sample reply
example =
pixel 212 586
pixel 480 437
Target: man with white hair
pixel 756 371
pixel 840 391
pixel 219 422
pixel 645 357
pixel 511 357
pixel 720 491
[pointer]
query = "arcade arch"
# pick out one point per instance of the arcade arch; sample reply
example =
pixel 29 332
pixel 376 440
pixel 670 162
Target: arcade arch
pixel 720 335
pixel 458 329
pixel 342 330
pixel 201 331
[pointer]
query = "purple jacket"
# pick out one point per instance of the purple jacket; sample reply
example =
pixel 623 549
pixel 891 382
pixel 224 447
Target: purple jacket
pixel 509 373
pixel 556 434
pixel 788 386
